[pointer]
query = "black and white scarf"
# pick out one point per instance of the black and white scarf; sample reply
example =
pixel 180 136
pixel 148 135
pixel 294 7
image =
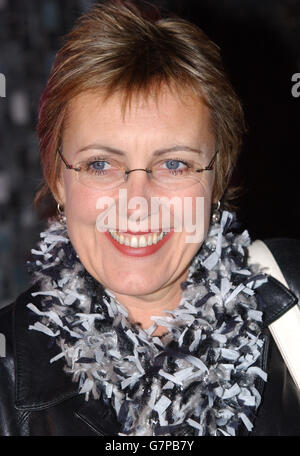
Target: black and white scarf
pixel 199 377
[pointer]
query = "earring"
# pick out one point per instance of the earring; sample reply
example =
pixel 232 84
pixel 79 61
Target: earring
pixel 61 215
pixel 216 215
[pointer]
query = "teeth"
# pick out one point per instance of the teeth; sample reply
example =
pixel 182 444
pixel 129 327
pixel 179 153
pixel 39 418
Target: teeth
pixel 138 241
pixel 134 242
pixel 142 241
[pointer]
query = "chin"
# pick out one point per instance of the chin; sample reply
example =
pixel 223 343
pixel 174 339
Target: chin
pixel 134 285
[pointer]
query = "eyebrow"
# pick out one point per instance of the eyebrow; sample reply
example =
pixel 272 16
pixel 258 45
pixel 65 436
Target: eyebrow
pixel 112 150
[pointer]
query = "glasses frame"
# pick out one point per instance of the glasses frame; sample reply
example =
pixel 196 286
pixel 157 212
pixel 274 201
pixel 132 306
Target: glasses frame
pixel 209 167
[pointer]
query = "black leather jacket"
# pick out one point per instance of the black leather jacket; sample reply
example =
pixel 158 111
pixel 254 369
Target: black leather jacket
pixel 38 398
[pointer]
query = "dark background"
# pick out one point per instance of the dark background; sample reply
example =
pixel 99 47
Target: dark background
pixel 260 42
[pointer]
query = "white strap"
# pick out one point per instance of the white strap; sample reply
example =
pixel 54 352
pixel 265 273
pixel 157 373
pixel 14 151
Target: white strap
pixel 285 330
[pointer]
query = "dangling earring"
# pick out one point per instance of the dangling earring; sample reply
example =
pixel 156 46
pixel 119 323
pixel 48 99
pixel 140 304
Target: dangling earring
pixel 216 215
pixel 61 215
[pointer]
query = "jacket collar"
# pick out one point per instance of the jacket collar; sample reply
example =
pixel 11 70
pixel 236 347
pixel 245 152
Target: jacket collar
pixel 274 299
pixel 40 385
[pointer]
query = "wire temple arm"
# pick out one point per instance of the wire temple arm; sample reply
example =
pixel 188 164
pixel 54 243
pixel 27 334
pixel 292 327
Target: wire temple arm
pixel 68 166
pixel 209 167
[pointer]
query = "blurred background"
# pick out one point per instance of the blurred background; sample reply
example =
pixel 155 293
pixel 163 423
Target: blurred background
pixel 260 42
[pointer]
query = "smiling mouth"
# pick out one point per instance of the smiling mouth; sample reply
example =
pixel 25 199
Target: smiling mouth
pixel 137 240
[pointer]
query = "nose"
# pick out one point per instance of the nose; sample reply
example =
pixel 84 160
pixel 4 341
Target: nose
pixel 138 182
pixel 138 185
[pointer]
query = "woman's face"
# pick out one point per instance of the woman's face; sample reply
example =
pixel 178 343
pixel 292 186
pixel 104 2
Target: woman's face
pixel 146 128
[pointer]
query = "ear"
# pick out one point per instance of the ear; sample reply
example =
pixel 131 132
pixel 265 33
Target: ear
pixel 60 194
pixel 214 198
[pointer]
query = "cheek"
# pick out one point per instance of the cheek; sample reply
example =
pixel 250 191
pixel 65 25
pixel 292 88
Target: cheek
pixel 196 203
pixel 202 191
pixel 80 204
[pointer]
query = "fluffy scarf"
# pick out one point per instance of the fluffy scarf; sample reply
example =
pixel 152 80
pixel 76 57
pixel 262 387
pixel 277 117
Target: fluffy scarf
pixel 199 378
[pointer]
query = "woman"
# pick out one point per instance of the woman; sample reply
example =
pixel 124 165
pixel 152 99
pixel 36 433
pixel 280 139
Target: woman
pixel 132 328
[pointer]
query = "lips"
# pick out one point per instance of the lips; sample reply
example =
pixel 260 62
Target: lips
pixel 137 233
pixel 138 244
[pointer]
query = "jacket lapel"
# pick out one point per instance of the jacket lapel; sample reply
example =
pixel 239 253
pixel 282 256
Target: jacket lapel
pixel 39 384
pixel 274 299
pixel 100 417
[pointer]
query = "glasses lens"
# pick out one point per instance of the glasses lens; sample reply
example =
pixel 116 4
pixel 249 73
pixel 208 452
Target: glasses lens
pixel 175 175
pixel 100 173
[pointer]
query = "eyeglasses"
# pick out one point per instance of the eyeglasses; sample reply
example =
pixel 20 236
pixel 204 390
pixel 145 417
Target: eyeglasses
pixel 105 173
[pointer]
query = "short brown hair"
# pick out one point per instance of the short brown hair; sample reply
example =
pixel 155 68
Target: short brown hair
pixel 118 45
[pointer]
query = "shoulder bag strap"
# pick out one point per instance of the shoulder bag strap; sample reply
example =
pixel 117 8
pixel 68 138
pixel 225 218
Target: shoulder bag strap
pixel 285 330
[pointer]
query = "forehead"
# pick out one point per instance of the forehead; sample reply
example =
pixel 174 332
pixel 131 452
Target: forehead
pixel 157 117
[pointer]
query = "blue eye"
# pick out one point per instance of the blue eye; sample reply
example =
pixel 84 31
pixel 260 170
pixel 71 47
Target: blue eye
pixel 175 164
pixel 98 165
